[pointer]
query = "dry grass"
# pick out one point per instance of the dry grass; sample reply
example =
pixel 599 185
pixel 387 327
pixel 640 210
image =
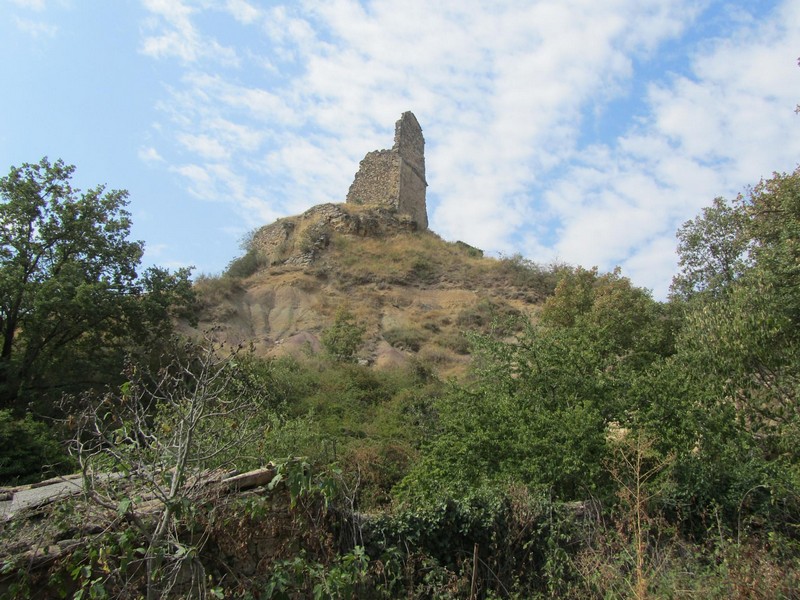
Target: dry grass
pixel 406 338
pixel 216 294
pixel 413 289
pixel 424 259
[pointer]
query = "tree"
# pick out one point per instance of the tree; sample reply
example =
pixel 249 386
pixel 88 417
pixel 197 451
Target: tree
pixel 624 319
pixel 162 431
pixel 738 354
pixel 342 339
pixel 712 249
pixel 26 445
pixel 535 409
pixel 749 337
pixel 70 298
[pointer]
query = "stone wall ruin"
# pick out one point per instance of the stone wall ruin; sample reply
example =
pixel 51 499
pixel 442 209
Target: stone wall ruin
pixel 395 178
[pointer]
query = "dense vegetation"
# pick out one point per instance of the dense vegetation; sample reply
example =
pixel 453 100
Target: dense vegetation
pixel 612 446
pixel 72 304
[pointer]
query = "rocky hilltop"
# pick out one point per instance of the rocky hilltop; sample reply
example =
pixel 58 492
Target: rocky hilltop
pixel 374 257
pixel 387 197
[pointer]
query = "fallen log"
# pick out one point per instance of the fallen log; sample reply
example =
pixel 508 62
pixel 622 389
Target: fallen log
pixel 251 479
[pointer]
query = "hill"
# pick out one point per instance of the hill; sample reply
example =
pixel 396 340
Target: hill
pixel 413 292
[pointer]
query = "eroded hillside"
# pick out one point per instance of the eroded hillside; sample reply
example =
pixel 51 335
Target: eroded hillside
pixel 414 293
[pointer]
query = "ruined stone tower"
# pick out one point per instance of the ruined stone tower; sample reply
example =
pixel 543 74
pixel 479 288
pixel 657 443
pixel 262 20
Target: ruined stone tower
pixel 395 178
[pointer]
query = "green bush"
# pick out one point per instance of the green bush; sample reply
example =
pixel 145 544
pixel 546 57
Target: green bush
pixel 28 451
pixel 423 270
pixel 342 339
pixel 525 543
pixel 490 316
pixel 215 289
pixel 470 251
pixel 525 273
pixel 458 342
pixel 244 266
pixel 405 338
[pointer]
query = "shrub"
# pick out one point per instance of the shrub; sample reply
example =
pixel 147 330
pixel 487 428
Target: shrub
pixel 490 316
pixel 470 251
pixel 435 355
pixel 215 289
pixel 458 342
pixel 423 270
pixel 244 266
pixel 342 339
pixel 526 273
pixel 405 338
pixel 523 541
pixel 28 450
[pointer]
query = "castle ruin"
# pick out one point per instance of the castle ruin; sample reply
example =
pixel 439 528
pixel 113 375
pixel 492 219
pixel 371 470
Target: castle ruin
pixel 395 178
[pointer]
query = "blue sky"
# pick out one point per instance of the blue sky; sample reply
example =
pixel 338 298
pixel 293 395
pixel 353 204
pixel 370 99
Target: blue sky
pixel 582 131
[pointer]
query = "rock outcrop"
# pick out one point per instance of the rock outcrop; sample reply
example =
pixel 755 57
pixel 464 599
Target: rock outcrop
pixel 299 240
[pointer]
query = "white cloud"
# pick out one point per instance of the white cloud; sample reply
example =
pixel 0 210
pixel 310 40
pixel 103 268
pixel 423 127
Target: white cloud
pixel 499 94
pixel 206 146
pixel 239 137
pixel 36 29
pixel 201 183
pixel 243 12
pixel 37 5
pixel 174 35
pixel 505 95
pixel 150 155
pixel 724 125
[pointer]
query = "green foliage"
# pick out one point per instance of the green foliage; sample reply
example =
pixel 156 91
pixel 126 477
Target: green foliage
pixel 29 451
pixel 108 566
pixel 370 423
pixel 347 577
pixel 406 338
pixel 169 295
pixel 738 356
pixel 164 428
pixel 71 303
pixel 490 316
pixel 573 297
pixel 215 290
pixel 528 418
pixel 525 273
pixel 536 410
pixel 244 266
pixel 342 339
pixel 458 342
pixel 618 315
pixel 616 447
pixel 712 249
pixel 470 251
pixel 524 542
pixel 720 569
pixel 423 270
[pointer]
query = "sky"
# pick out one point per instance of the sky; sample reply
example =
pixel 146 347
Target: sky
pixel 576 131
